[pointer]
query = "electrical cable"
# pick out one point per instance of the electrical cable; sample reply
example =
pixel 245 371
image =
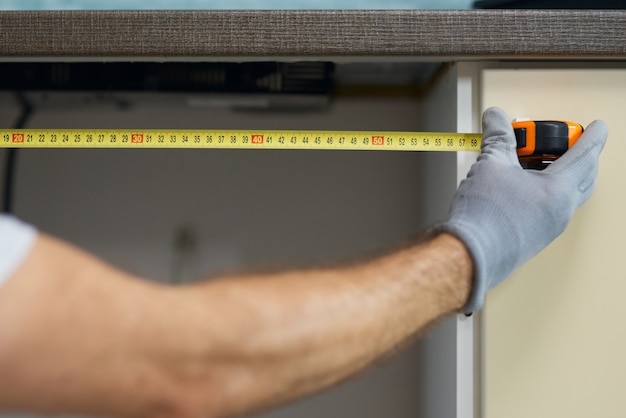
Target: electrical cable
pixel 12 154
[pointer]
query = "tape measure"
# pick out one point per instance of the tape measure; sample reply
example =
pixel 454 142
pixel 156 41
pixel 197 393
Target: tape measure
pixel 235 139
pixel 538 142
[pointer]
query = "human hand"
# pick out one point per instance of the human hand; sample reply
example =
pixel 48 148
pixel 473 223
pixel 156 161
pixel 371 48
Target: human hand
pixel 504 214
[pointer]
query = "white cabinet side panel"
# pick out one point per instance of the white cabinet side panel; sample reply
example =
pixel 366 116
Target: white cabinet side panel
pixel 467 389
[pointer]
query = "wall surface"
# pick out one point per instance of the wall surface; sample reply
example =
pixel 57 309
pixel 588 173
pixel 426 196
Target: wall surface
pixel 178 215
pixel 555 336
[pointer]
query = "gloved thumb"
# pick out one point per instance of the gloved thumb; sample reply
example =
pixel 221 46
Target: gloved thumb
pixel 498 136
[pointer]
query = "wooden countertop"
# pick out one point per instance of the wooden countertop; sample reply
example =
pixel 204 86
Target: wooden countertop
pixel 423 35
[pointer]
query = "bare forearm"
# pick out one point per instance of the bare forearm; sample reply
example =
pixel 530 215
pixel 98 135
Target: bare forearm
pixel 294 333
pixel 78 336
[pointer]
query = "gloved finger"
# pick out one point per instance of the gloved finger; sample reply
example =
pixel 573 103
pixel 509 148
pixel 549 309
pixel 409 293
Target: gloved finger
pixel 498 136
pixel 580 163
pixel 583 155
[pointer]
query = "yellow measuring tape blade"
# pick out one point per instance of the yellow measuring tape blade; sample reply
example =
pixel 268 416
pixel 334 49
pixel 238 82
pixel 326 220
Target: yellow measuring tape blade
pixel 232 139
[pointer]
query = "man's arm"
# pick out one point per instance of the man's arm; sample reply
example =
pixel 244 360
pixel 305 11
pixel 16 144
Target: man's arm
pixel 79 336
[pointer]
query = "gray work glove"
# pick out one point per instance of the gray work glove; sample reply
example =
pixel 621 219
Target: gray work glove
pixel 504 214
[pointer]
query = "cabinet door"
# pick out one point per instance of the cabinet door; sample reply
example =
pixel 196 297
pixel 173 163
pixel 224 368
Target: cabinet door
pixel 554 334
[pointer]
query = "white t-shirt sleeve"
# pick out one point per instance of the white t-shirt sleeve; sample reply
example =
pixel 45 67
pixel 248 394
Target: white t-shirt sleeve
pixel 16 240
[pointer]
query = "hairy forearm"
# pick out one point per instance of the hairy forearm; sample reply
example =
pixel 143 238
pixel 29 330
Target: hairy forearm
pixel 78 336
pixel 282 336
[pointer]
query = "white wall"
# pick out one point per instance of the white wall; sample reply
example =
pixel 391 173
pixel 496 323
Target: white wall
pixel 246 209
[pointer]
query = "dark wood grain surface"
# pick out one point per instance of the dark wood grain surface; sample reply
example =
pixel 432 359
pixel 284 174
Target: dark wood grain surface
pixel 437 35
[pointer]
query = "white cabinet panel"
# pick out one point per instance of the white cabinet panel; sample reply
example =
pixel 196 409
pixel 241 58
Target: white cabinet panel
pixel 555 336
